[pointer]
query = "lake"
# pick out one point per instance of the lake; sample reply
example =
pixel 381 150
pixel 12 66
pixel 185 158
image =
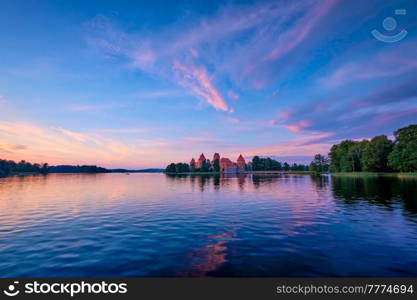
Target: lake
pixel 151 225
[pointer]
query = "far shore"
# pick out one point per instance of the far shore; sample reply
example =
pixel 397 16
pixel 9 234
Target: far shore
pixel 340 174
pixel 246 172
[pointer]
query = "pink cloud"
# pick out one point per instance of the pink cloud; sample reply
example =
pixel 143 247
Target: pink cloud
pixel 298 127
pixel 197 79
pixel 233 120
pixel 232 95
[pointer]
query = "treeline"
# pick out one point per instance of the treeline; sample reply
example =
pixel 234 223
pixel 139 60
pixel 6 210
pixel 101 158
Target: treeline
pixel 269 164
pixel 77 169
pixel 9 167
pixel 186 168
pixel 380 154
pixel 178 168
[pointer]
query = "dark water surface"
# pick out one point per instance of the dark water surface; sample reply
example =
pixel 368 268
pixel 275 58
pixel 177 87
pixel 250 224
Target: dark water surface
pixel 111 225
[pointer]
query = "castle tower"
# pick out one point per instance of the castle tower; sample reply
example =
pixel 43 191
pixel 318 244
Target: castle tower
pixel 216 156
pixel 192 164
pixel 200 161
pixel 241 164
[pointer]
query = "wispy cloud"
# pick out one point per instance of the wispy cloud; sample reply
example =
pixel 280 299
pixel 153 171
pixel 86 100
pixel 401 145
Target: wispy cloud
pixel 94 107
pixel 7 148
pixel 226 46
pixel 233 120
pixel 375 113
pixel 302 147
pixel 124 130
pixel 299 127
pixel 387 63
pixel 232 95
pixel 172 93
pixel 198 80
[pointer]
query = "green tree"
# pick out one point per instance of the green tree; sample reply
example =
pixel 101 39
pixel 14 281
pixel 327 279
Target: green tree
pixel 375 154
pixel 206 166
pixel 286 166
pixel 44 169
pixel 256 163
pixel 4 168
pixel 345 157
pixel 403 157
pixel 320 164
pixel 170 168
pixel 216 165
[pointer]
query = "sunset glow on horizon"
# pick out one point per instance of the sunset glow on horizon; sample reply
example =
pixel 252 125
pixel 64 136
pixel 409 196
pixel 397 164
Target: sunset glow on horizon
pixel 131 84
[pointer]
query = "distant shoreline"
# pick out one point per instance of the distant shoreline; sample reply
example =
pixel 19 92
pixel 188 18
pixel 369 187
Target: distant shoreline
pixel 103 172
pixel 246 172
pixel 340 174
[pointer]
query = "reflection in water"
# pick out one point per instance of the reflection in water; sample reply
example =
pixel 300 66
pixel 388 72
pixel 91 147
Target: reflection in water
pixel 386 191
pixel 112 225
pixel 209 257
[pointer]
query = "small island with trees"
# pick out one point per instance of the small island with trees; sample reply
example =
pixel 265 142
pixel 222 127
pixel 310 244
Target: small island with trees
pixel 224 165
pixel 378 155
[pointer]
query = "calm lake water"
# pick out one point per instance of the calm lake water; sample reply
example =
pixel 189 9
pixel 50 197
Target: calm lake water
pixel 111 225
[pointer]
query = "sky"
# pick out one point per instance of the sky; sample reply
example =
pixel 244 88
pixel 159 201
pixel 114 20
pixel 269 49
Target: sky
pixel 140 84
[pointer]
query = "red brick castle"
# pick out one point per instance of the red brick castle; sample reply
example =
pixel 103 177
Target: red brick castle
pixel 225 164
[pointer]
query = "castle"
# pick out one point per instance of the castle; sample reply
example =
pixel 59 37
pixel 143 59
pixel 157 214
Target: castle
pixel 225 165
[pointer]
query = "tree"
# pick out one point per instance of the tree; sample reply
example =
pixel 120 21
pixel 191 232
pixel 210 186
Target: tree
pixel 320 164
pixel 403 157
pixel 346 156
pixel 375 154
pixel 170 168
pixel 206 166
pixel 256 161
pixel 216 165
pixel 4 168
pixel 44 169
pixel 286 166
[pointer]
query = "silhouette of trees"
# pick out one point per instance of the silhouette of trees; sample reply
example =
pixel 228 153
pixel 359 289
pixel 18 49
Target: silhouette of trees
pixel 177 168
pixel 9 167
pixel 380 154
pixel 269 164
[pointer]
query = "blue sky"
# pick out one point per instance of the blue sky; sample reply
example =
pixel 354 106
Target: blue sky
pixel 140 84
